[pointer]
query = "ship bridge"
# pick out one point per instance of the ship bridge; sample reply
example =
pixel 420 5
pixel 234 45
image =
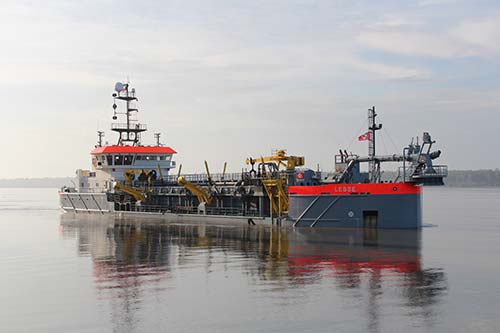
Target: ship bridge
pixel 115 160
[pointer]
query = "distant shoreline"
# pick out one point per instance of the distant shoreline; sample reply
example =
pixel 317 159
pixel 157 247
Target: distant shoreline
pixel 456 178
pixel 48 182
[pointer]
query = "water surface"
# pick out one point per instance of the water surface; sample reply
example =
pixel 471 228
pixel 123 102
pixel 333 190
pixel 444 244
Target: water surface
pixel 84 273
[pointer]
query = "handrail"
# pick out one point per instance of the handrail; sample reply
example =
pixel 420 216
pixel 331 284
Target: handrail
pixel 130 126
pixel 203 178
pixel 408 172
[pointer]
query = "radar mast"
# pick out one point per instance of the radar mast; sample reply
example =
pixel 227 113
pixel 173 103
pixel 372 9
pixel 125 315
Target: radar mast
pixel 129 132
pixel 374 164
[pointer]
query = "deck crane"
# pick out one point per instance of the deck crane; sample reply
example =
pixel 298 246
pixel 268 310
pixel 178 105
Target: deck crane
pixel 279 157
pixel 276 184
pixel 134 192
pixel 144 176
pixel 203 195
pixel 200 193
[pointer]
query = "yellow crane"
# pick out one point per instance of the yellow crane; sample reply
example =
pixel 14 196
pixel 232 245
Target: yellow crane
pixel 130 175
pixel 279 157
pixel 200 193
pixel 134 192
pixel 276 186
pixel 277 192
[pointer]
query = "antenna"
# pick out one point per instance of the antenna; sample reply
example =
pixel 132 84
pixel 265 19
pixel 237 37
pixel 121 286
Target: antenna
pixel 100 135
pixel 372 128
pixel 157 137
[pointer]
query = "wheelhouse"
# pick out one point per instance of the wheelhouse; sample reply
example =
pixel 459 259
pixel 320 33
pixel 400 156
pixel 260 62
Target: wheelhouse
pixel 114 160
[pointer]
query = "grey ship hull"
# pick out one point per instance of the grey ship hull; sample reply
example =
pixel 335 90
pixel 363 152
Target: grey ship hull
pixel 401 211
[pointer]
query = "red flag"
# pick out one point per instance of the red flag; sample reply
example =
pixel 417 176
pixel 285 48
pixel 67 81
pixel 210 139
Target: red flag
pixel 364 137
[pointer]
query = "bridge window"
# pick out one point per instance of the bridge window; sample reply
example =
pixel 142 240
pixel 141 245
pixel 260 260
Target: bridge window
pixel 110 159
pixel 138 158
pixel 118 160
pixel 127 159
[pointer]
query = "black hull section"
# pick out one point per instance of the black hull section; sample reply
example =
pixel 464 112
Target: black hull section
pixel 394 211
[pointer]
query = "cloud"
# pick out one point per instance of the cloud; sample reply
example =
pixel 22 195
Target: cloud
pixel 481 34
pixel 415 44
pixel 424 3
pixel 384 71
pixel 472 38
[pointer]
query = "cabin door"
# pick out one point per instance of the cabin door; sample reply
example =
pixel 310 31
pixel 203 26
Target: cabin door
pixel 370 218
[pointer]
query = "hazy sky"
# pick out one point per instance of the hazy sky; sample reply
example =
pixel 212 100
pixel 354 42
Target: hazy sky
pixel 224 80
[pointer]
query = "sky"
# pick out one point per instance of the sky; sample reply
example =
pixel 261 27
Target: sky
pixel 226 80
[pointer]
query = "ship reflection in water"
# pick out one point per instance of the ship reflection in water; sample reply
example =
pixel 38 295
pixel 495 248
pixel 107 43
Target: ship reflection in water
pixel 368 270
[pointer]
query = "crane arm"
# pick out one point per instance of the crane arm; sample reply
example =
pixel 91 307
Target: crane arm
pixel 279 158
pixel 160 172
pixel 138 195
pixel 199 192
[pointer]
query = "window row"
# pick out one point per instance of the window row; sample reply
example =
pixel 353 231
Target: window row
pixel 129 159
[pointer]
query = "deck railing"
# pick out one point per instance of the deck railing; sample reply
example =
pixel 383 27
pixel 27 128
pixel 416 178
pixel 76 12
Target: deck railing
pixel 220 211
pixel 408 173
pixel 203 178
pixel 131 126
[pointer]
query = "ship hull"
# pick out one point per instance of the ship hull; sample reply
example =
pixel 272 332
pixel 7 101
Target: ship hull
pixel 385 206
pixel 381 206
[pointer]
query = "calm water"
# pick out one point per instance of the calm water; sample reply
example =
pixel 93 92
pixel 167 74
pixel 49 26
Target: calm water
pixel 89 274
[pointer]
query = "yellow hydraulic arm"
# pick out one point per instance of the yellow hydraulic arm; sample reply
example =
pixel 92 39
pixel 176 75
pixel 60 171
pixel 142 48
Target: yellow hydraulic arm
pixel 279 157
pixel 138 195
pixel 160 172
pixel 202 194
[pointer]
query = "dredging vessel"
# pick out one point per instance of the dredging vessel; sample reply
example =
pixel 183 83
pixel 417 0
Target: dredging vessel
pixel 130 178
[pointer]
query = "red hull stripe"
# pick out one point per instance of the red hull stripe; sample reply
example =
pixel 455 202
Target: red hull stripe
pixel 306 265
pixel 348 189
pixel 132 150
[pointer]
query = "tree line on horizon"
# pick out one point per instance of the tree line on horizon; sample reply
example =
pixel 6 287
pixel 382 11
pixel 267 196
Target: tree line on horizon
pixel 473 178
